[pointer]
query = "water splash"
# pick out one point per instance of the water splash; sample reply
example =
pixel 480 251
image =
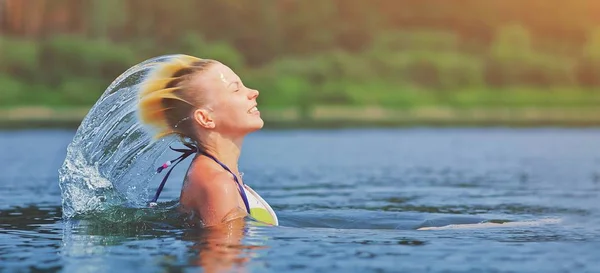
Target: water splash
pixel 112 158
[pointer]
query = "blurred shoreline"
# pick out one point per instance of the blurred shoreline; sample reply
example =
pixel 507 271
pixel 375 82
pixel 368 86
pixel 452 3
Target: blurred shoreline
pixel 346 117
pixel 381 63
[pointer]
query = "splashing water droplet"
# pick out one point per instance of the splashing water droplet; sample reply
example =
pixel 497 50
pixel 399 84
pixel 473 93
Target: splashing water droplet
pixel 112 158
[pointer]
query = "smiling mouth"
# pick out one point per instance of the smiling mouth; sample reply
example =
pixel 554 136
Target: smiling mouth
pixel 253 110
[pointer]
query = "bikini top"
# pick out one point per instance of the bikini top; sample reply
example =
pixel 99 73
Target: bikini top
pixel 256 206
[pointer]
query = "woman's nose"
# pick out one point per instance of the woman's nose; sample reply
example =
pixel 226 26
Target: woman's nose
pixel 253 93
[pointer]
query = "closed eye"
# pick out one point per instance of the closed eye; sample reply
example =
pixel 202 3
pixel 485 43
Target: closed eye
pixel 236 86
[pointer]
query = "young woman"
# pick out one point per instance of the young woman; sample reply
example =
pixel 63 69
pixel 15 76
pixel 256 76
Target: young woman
pixel 209 107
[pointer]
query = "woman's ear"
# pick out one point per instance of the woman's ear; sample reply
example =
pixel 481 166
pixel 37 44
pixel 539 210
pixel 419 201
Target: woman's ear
pixel 204 119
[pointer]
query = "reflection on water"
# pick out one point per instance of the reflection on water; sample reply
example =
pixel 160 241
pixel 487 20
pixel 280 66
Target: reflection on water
pixel 29 217
pixel 30 238
pixel 214 249
pixel 221 249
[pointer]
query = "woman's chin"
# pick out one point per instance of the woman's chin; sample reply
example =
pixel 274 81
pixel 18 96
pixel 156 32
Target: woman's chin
pixel 254 126
pixel 259 125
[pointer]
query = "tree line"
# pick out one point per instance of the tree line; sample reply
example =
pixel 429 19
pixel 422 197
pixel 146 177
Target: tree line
pixel 387 52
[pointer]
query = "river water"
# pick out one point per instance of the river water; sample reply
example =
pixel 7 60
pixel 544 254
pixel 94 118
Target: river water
pixel 349 200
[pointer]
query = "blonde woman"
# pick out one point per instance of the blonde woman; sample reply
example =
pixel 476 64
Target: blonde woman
pixel 209 107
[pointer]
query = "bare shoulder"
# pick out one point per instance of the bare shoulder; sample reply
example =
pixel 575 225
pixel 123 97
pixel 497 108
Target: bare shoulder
pixel 211 193
pixel 212 183
pixel 202 177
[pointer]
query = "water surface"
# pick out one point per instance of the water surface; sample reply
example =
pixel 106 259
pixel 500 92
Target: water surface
pixel 348 201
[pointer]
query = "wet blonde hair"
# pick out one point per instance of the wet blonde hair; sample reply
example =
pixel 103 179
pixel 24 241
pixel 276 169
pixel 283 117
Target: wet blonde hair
pixel 166 101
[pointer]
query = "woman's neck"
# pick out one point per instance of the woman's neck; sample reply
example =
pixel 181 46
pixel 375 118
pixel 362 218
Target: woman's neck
pixel 225 149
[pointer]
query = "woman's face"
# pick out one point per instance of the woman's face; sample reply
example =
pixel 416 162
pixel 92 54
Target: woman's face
pixel 230 107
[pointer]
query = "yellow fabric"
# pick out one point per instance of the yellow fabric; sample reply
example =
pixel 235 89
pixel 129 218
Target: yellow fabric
pixel 262 215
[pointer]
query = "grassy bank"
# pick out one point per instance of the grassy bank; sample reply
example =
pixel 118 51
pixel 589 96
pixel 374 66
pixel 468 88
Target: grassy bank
pixel 345 116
